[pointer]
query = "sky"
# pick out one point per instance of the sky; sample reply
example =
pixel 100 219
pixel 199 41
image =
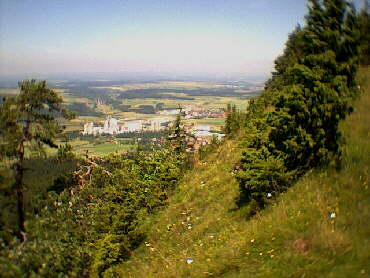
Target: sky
pixel 149 36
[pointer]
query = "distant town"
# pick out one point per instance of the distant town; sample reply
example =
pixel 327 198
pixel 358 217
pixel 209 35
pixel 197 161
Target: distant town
pixel 113 126
pixel 162 122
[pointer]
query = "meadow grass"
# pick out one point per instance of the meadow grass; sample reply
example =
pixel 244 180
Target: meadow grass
pixel 216 122
pixel 319 228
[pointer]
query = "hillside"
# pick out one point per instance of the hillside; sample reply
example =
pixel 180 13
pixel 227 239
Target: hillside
pixel 319 228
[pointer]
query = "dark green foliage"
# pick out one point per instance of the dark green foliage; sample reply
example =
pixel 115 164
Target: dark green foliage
pixel 65 152
pixel 234 121
pixel 28 122
pixel 62 182
pixel 318 89
pixel 144 109
pixel 293 126
pixel 82 109
pixel 263 177
pixel 177 136
pixel 91 219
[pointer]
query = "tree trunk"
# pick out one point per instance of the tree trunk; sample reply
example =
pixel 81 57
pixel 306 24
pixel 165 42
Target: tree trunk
pixel 19 188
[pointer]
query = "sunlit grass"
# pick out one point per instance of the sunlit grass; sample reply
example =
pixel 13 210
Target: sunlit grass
pixel 319 228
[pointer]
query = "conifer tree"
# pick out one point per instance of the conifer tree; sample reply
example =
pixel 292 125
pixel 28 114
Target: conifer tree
pixel 177 136
pixel 318 87
pixel 310 93
pixel 28 122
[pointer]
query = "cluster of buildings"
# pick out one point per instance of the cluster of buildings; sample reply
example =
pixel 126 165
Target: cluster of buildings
pixel 202 114
pixel 195 113
pixel 112 126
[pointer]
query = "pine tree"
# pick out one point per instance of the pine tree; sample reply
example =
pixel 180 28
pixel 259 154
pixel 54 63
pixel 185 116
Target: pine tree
pixel 28 122
pixel 227 128
pixel 177 137
pixel 318 87
pixel 309 94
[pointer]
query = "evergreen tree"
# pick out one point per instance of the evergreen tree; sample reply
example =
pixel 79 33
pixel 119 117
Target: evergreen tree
pixel 318 88
pixel 235 120
pixel 177 136
pixel 227 128
pixel 309 93
pixel 28 122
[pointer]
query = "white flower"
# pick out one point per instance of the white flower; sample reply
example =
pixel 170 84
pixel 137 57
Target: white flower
pixel 189 260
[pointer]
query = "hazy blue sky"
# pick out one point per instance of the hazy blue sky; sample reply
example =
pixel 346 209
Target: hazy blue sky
pixel 160 36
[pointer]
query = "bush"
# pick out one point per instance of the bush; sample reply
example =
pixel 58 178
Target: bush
pixel 91 219
pixel 262 179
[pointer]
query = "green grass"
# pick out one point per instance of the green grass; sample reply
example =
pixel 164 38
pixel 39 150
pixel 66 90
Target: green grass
pixel 98 146
pixel 217 122
pixel 102 146
pixel 293 238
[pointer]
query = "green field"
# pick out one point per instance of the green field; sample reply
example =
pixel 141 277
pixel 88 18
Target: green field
pixel 102 145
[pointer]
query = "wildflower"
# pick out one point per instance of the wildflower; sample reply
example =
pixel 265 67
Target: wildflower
pixel 261 254
pixel 269 195
pixel 189 260
pixel 247 253
pixel 272 256
pixel 189 227
pixel 252 240
pixel 332 215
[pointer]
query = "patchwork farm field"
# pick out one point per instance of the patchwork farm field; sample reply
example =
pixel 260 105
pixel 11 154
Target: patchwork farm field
pixel 95 101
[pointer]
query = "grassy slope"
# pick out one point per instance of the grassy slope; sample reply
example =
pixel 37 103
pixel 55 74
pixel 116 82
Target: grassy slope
pixel 294 238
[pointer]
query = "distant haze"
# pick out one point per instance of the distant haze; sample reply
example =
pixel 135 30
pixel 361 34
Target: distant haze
pixel 174 38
